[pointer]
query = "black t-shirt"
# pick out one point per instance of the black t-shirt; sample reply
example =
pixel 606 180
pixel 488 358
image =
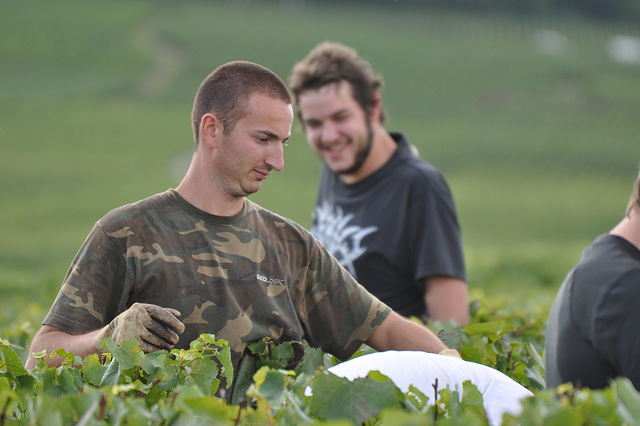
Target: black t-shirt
pixel 392 229
pixel 593 334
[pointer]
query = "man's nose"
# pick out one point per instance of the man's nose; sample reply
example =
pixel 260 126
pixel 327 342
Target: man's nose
pixel 329 133
pixel 275 157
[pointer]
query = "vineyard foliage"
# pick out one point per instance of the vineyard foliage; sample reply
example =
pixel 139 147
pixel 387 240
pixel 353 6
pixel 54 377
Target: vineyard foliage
pixel 285 384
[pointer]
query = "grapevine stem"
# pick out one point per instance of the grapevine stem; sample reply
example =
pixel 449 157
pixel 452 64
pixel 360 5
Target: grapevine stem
pixel 241 405
pixel 4 411
pixel 103 407
pixel 435 401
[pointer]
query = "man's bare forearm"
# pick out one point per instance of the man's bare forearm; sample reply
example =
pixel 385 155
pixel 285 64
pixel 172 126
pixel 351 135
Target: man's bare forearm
pixel 51 338
pixel 400 334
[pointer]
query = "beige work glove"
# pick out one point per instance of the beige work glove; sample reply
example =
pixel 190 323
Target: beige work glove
pixel 153 326
pixel 450 352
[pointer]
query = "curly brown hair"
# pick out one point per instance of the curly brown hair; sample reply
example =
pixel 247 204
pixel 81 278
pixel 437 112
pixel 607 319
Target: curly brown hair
pixel 331 62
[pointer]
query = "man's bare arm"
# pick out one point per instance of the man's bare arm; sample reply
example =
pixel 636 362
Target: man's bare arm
pixel 50 338
pixel 154 327
pixel 400 334
pixel 447 299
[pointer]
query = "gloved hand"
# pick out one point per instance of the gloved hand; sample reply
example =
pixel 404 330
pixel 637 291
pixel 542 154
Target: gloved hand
pixel 153 326
pixel 450 352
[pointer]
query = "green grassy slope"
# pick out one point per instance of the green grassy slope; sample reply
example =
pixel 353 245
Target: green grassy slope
pixel 540 150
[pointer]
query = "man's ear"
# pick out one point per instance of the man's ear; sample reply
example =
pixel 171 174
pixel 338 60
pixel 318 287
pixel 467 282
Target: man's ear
pixel 376 108
pixel 210 129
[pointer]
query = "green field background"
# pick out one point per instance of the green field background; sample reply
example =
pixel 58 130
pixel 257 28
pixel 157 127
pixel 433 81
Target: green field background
pixel 538 141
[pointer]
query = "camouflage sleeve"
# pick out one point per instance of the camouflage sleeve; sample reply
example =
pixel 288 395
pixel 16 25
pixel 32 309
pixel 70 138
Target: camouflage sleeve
pixel 89 296
pixel 338 313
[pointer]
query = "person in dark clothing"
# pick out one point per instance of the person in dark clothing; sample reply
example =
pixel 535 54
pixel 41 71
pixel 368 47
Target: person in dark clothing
pixel 387 215
pixel 593 333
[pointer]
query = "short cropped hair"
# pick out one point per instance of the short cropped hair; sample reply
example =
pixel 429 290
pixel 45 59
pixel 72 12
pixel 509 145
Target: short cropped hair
pixel 331 62
pixel 634 200
pixel 227 89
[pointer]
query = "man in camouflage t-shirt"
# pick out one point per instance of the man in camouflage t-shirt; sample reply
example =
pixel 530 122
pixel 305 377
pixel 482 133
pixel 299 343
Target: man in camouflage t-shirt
pixel 204 259
pixel 241 277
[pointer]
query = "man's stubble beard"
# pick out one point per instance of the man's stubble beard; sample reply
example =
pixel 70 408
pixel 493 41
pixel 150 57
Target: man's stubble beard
pixel 361 155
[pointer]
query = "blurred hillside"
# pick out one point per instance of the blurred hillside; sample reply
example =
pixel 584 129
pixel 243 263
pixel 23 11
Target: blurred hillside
pixel 532 118
pixel 627 10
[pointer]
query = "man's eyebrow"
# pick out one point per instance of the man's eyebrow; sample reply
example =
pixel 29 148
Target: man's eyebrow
pixel 338 113
pixel 273 135
pixel 341 112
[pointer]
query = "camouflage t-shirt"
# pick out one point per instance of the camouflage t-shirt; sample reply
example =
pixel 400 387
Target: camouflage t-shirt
pixel 242 278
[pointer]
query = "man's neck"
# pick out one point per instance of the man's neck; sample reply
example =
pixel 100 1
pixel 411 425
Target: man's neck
pixel 629 229
pixel 204 194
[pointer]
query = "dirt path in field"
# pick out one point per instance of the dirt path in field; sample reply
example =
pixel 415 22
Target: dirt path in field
pixel 168 59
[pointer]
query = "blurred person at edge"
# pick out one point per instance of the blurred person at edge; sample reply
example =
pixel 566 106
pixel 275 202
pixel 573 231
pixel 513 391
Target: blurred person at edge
pixel 593 333
pixel 387 215
pixel 202 258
